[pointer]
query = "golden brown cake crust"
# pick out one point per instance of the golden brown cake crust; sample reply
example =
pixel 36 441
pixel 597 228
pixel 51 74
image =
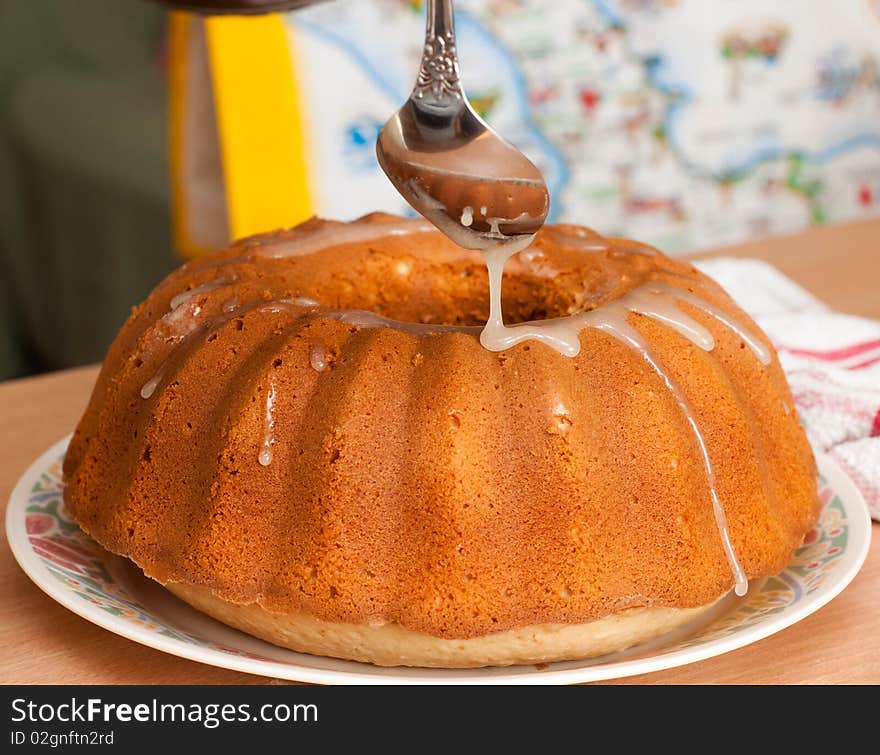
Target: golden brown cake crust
pixel 393 645
pixel 417 478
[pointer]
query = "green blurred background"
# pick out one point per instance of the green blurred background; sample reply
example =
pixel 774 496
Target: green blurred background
pixel 84 218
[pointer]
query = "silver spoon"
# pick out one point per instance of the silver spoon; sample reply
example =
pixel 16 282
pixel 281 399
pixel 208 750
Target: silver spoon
pixel 448 164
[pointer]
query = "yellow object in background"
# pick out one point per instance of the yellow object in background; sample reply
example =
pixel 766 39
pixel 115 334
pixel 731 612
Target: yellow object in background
pixel 258 115
pixel 234 100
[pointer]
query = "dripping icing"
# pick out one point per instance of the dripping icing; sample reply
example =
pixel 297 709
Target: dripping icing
pixel 656 300
pixel 623 331
pixel 327 237
pixel 759 349
pixel 182 318
pixel 149 388
pixel 318 358
pixel 185 296
pixel 303 301
pixel 190 328
pixel 265 457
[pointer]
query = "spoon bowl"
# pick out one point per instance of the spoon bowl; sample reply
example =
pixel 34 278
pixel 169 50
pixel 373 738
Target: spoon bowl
pixel 450 166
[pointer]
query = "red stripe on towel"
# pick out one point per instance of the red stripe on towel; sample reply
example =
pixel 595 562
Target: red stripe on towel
pixel 835 354
pixel 867 363
pixel 875 428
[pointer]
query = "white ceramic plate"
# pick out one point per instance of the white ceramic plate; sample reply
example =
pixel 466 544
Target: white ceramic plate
pixel 111 592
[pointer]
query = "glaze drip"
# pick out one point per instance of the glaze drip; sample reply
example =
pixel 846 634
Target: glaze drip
pixel 361 318
pixel 149 388
pixel 183 318
pixel 320 239
pixel 318 358
pixel 493 334
pixel 182 329
pixel 624 332
pixel 575 237
pixel 303 301
pixel 265 456
pixel 656 300
pixel 185 296
pixel 759 349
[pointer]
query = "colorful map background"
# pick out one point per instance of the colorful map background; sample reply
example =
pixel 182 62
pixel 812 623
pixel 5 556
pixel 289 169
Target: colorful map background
pixel 686 123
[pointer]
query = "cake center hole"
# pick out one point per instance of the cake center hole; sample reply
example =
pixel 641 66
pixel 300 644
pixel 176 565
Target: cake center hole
pixel 414 290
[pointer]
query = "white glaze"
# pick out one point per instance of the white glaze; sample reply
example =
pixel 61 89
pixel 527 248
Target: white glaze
pixel 303 301
pixel 149 388
pixel 179 320
pixel 618 327
pixel 535 262
pixel 759 349
pixel 182 319
pixel 577 238
pixel 360 318
pixel 460 232
pixel 532 255
pixel 328 236
pixel 499 235
pixel 493 335
pixel 318 357
pixel 180 325
pixel 185 296
pixel 436 212
pixel 265 456
pixel 656 300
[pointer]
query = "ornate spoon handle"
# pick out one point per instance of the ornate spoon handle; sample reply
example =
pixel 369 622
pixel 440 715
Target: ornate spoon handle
pixel 438 83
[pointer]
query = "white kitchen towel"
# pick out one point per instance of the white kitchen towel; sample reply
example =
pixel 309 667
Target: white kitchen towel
pixel 832 362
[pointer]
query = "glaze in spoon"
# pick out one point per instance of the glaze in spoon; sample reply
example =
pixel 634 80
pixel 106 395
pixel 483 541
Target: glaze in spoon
pixel 449 164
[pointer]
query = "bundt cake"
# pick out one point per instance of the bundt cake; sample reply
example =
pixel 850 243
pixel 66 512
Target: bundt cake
pixel 303 436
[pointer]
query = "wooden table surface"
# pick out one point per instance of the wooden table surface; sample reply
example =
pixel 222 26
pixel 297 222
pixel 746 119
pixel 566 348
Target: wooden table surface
pixel 41 642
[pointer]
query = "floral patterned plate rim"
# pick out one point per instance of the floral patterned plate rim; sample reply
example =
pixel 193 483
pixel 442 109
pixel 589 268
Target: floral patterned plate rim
pixel 112 592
